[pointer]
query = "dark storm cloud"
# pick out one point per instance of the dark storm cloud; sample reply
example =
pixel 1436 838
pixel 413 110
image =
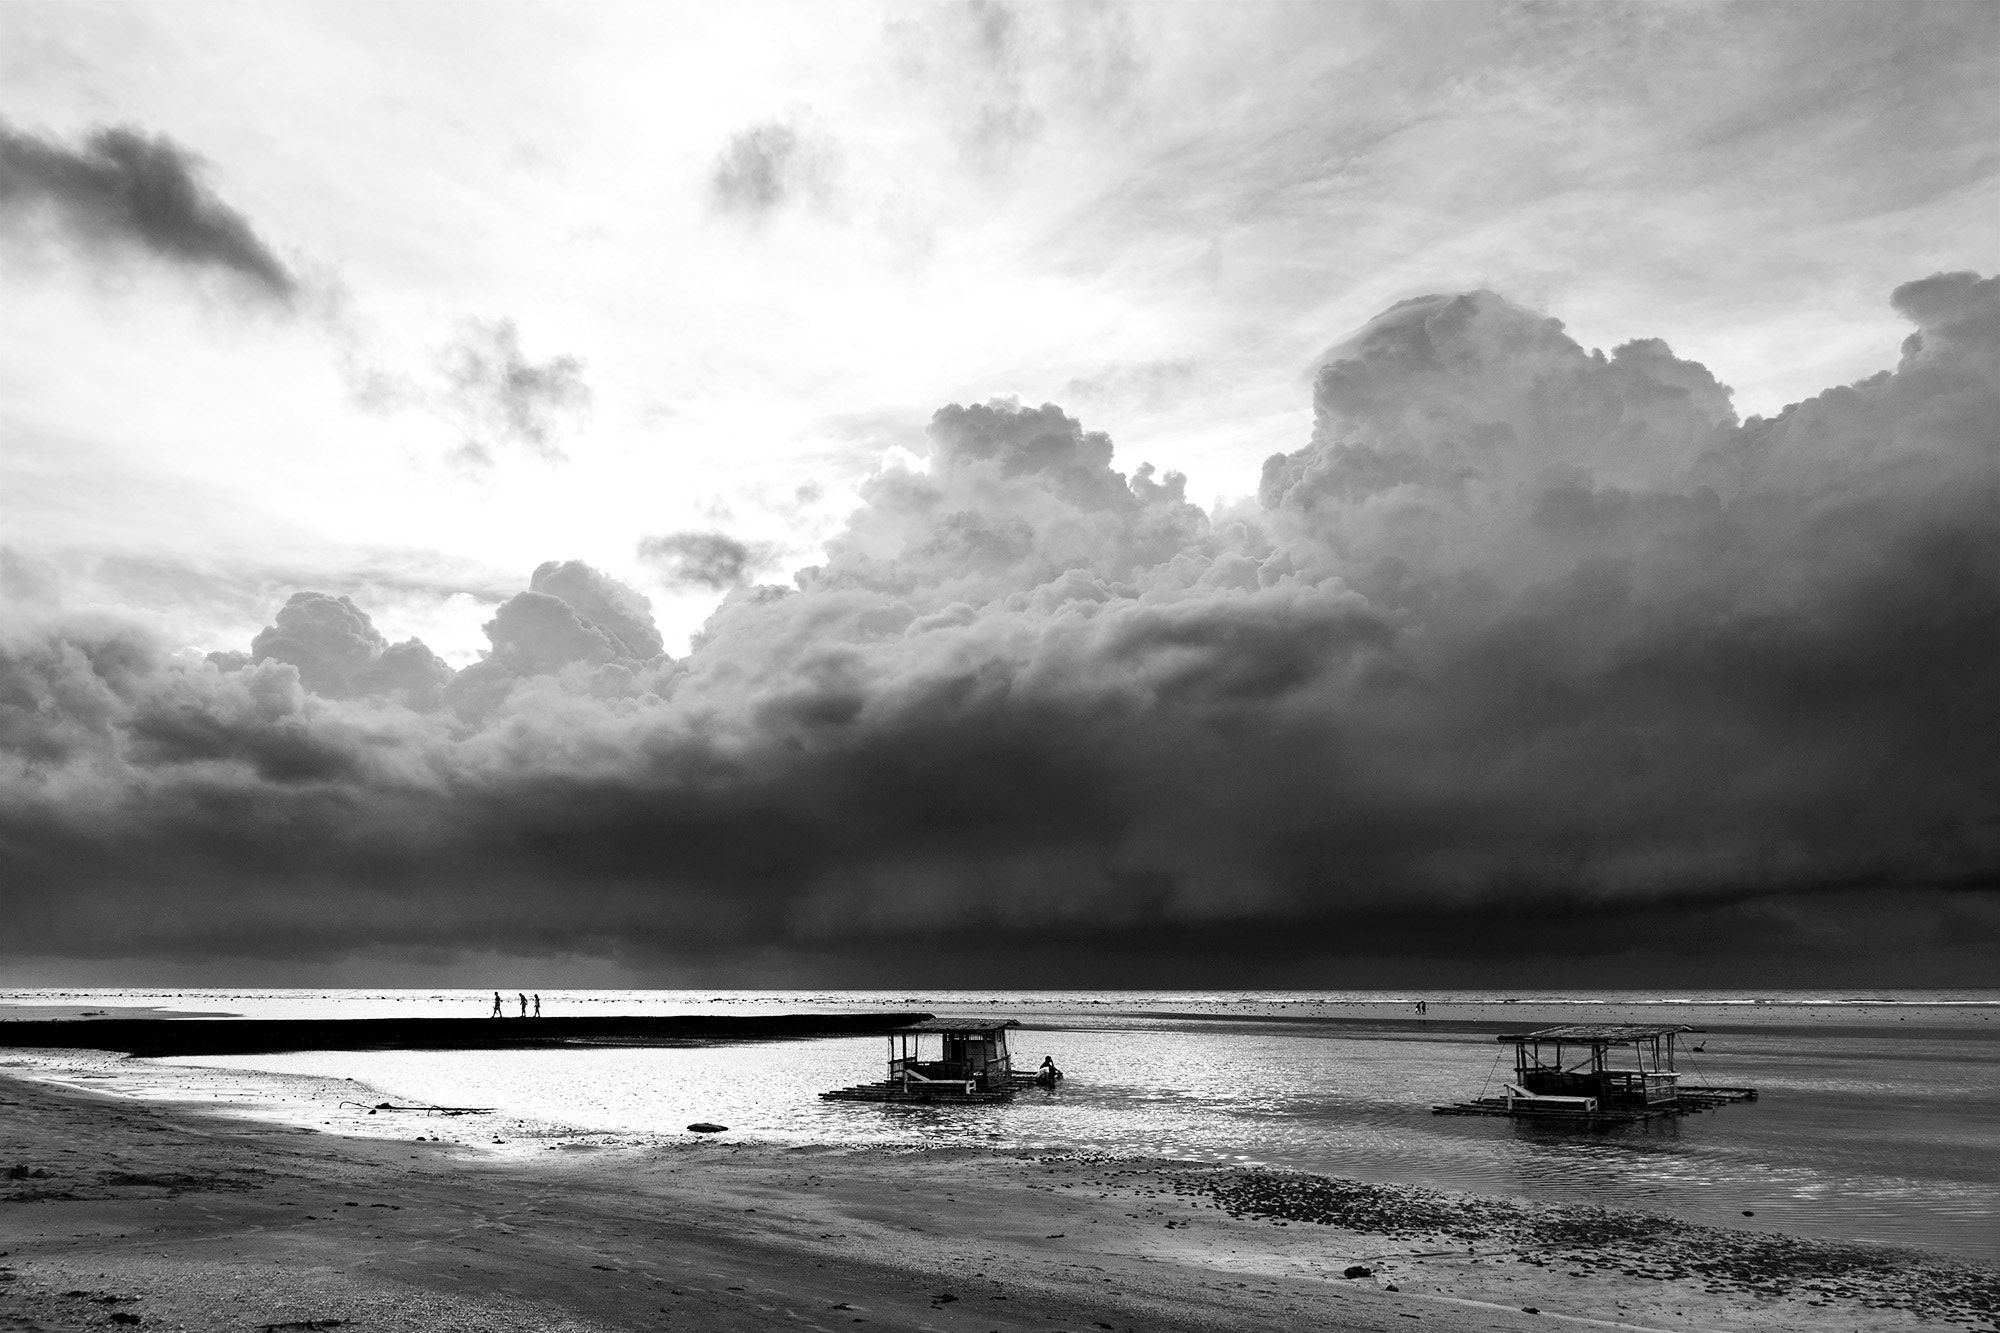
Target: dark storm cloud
pixel 1531 652
pixel 502 398
pixel 124 189
pixel 703 559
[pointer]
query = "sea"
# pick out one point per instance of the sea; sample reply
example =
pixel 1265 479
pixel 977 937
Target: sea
pixel 1877 1116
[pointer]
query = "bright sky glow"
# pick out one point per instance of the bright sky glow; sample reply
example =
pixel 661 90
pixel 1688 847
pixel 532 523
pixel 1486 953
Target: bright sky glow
pixel 1157 216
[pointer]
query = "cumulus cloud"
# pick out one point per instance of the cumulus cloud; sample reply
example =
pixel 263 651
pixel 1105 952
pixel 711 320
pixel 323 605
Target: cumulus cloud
pixel 340 654
pixel 703 559
pixel 1530 651
pixel 608 606
pixel 501 398
pixel 124 190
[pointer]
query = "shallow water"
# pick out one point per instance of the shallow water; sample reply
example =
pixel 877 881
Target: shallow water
pixel 1879 1115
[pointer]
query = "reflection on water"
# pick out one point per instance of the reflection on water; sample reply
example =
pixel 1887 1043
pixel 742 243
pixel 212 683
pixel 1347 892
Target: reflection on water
pixel 1868 1135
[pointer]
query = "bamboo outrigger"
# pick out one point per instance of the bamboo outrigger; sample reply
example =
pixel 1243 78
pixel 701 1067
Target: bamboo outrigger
pixel 972 1066
pixel 1566 1075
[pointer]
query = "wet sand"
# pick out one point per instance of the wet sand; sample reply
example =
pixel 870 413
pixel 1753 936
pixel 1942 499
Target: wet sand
pixel 173 1216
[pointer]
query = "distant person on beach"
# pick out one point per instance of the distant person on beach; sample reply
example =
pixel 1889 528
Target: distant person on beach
pixel 496 1004
pixel 1048 1075
pixel 538 1004
pixel 522 996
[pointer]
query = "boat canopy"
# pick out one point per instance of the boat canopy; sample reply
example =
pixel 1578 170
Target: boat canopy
pixel 979 1025
pixel 1601 1034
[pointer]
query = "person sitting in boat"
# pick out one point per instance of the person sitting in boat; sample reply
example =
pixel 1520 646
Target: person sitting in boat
pixel 1048 1075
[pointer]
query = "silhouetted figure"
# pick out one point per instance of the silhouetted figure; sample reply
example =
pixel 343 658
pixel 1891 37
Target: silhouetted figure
pixel 1422 1008
pixel 1048 1075
pixel 524 1003
pixel 538 1004
pixel 496 1004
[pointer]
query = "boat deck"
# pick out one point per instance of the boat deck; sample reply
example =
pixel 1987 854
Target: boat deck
pixel 1690 1100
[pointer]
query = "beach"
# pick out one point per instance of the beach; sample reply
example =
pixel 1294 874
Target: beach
pixel 1878 1120
pixel 174 1215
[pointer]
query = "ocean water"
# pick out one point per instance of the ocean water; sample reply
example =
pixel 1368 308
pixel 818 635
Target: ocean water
pixel 1878 1116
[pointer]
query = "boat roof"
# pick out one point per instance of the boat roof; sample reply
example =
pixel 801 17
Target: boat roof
pixel 959 1025
pixel 1610 1033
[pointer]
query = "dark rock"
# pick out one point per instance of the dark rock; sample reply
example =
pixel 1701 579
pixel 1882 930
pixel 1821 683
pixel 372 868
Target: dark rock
pixel 1356 1270
pixel 708 1127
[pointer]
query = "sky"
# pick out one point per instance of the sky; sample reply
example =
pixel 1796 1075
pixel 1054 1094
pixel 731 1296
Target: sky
pixel 1046 494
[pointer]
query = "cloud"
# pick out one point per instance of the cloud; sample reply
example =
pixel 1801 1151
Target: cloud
pixel 124 190
pixel 1005 75
pixel 1150 384
pixel 1532 657
pixel 703 559
pixel 501 398
pixel 340 654
pixel 771 164
pixel 608 606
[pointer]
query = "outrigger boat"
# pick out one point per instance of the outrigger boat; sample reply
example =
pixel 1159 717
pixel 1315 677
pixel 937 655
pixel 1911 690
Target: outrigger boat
pixel 972 1065
pixel 1567 1075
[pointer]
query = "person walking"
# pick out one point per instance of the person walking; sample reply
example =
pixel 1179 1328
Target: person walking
pixel 538 1004
pixel 523 998
pixel 496 1004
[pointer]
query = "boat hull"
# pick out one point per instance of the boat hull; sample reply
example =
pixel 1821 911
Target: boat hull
pixel 1691 1099
pixel 917 1094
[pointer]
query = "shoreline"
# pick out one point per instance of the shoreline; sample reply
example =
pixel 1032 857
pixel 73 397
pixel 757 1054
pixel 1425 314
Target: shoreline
pixel 185 1216
pixel 1706 1170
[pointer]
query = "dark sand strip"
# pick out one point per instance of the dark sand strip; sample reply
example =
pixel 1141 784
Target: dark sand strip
pixel 153 1037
